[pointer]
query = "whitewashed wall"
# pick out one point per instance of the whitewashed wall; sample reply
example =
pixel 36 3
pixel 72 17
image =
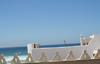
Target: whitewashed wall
pixel 56 58
pixel 63 51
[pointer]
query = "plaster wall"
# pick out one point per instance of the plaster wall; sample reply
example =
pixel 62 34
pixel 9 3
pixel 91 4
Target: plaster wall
pixel 64 51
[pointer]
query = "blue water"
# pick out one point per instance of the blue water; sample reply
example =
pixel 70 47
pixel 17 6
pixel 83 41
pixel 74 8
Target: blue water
pixel 59 45
pixel 9 53
pixel 22 51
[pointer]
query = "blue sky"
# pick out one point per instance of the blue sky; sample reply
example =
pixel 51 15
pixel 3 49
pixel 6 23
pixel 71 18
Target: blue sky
pixel 47 21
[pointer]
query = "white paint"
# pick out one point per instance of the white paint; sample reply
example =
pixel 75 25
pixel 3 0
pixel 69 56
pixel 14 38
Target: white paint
pixel 29 48
pixel 15 60
pixel 43 58
pixel 29 59
pixel 32 46
pixel 85 56
pixel 97 55
pixel 64 51
pixel 92 36
pixel 70 57
pixel 2 60
pixel 57 57
pixel 81 40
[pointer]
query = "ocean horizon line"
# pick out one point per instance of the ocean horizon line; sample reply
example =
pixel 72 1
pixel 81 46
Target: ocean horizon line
pixel 41 45
pixel 13 47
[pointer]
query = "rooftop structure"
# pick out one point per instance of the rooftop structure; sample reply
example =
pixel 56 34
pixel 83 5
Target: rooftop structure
pixel 91 47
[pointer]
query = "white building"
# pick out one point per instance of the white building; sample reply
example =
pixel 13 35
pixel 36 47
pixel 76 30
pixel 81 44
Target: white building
pixel 94 44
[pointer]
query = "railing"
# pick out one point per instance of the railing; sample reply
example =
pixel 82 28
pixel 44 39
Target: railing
pixel 56 58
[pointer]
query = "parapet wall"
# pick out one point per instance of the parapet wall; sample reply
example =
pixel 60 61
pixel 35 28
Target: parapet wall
pixel 64 51
pixel 71 59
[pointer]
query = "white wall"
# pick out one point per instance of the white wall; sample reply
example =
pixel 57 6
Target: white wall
pixel 29 48
pixel 63 51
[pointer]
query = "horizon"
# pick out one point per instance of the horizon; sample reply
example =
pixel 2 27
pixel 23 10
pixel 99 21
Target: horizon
pixel 47 21
pixel 43 45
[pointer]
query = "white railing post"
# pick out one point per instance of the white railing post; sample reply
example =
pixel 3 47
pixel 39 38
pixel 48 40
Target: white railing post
pixel 97 55
pixel 70 57
pixel 57 57
pixel 43 58
pixel 2 60
pixel 85 56
pixel 16 60
pixel 29 59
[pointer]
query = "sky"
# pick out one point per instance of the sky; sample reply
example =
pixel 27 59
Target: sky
pixel 47 22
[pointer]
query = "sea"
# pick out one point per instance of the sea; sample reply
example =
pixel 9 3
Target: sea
pixel 22 51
